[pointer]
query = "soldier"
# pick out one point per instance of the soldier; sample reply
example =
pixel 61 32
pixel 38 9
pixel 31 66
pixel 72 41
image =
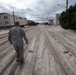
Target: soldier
pixel 15 37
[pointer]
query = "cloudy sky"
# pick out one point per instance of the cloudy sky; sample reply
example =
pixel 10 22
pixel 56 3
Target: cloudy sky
pixel 37 10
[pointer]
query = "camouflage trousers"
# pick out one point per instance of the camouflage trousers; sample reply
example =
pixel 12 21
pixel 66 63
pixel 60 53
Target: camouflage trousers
pixel 19 53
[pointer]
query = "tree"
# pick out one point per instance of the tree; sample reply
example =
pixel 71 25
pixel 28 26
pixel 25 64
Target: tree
pixel 68 18
pixel 32 23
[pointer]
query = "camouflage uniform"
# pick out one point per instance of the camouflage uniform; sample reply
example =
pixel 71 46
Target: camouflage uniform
pixel 15 36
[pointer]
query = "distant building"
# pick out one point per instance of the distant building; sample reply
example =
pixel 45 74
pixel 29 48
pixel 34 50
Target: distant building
pixel 8 19
pixel 23 21
pixel 50 22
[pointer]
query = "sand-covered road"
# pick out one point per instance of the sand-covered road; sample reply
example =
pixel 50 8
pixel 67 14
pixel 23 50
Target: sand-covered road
pixel 51 51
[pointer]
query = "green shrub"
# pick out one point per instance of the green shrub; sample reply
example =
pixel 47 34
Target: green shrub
pixel 68 18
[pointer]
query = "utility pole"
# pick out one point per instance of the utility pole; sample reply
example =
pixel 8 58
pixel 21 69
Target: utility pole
pixel 13 17
pixel 66 4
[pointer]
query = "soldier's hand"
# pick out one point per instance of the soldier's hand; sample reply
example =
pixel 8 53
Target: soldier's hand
pixel 10 42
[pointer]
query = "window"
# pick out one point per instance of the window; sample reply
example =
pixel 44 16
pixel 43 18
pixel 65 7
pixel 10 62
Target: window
pixel 5 17
pixel 6 22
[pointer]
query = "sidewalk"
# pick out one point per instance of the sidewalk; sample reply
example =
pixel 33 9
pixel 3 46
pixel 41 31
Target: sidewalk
pixel 3 31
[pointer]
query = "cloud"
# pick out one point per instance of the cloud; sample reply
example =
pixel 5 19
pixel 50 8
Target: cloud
pixel 38 10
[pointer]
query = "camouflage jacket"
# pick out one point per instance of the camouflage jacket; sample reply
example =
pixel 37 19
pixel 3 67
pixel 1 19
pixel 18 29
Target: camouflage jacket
pixel 16 35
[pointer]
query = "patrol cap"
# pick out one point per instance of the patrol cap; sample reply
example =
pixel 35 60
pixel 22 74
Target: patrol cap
pixel 17 23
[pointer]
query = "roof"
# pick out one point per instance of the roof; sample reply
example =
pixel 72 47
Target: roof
pixel 3 13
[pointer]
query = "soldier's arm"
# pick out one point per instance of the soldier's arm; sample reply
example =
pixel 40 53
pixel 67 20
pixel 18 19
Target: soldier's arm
pixel 24 36
pixel 9 37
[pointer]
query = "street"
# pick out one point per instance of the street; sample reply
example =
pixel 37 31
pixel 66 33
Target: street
pixel 51 51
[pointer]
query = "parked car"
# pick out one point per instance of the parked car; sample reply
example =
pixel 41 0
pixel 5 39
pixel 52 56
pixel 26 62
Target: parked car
pixel 26 25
